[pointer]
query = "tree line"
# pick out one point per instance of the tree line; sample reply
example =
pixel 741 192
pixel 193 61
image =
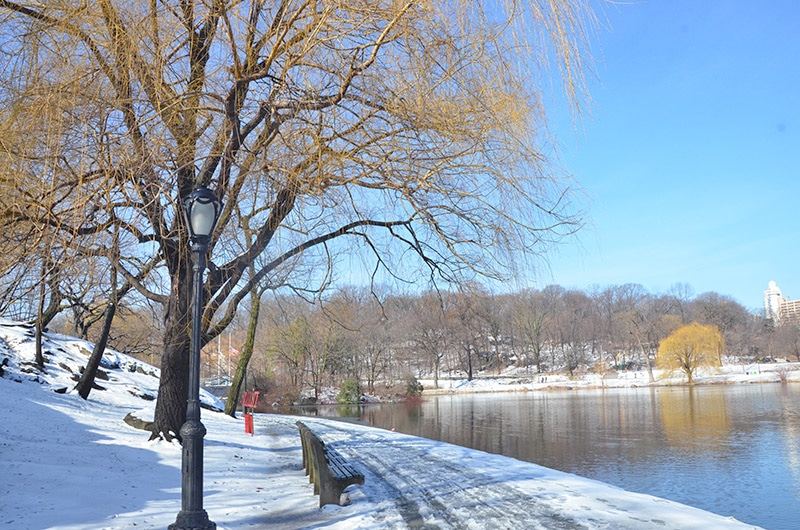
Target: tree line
pixel 354 335
pixel 382 341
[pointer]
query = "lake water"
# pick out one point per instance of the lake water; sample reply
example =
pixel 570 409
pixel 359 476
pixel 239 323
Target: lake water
pixel 733 449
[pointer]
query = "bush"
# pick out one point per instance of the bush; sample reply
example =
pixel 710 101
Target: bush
pixel 349 394
pixel 413 387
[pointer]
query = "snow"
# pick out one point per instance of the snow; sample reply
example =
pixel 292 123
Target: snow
pixel 66 463
pixel 520 380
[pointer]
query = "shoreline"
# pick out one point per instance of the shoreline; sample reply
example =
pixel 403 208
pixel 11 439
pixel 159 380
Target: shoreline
pixel 726 375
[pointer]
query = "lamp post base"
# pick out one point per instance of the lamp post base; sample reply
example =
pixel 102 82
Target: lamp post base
pixel 197 520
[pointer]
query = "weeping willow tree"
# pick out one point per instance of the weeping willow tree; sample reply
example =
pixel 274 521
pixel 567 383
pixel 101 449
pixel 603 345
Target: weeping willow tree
pixel 691 347
pixel 407 135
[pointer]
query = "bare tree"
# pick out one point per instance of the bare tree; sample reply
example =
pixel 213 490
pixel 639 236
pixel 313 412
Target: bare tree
pixel 682 295
pixel 364 323
pixel 726 314
pixel 786 341
pixel 649 322
pixel 575 307
pixel 375 351
pixel 429 332
pixel 553 298
pixel 490 314
pixel 530 313
pixel 289 344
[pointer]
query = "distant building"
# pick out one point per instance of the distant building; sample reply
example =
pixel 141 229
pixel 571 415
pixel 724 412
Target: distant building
pixel 781 310
pixel 772 302
pixel 790 311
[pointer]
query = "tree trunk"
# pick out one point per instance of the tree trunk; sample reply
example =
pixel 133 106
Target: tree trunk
pixel 497 355
pixel 244 359
pixel 39 328
pixel 650 376
pixel 54 304
pixel 469 362
pixel 173 387
pixel 646 353
pixel 84 386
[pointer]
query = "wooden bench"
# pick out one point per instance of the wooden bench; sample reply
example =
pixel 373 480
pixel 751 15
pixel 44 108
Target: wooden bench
pixel 326 468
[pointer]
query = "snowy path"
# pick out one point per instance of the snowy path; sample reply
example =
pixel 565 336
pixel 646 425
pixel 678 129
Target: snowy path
pixel 420 484
pixel 432 492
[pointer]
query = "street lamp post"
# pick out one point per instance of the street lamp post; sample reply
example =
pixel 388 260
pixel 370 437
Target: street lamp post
pixel 201 209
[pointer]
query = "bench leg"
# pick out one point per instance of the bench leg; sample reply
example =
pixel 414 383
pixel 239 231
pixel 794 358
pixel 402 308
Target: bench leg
pixel 330 493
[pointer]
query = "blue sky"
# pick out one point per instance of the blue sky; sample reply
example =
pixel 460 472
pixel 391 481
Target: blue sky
pixel 690 151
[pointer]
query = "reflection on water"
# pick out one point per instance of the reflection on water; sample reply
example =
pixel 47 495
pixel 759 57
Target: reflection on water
pixel 693 422
pixel 790 430
pixel 733 450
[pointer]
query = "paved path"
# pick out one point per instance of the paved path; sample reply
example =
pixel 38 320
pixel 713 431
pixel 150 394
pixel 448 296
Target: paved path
pixel 432 492
pixel 423 484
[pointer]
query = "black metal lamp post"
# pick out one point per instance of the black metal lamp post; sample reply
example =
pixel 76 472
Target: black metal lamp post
pixel 202 211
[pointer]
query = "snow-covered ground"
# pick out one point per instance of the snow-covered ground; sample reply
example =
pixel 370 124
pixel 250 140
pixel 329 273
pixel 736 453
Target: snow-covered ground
pixel 518 380
pixel 66 463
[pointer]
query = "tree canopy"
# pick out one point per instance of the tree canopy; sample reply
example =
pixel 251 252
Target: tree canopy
pixel 404 135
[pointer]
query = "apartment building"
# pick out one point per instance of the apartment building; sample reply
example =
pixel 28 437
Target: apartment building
pixel 781 310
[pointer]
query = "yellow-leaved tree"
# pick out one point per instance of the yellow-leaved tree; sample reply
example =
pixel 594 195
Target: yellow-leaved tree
pixel 691 347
